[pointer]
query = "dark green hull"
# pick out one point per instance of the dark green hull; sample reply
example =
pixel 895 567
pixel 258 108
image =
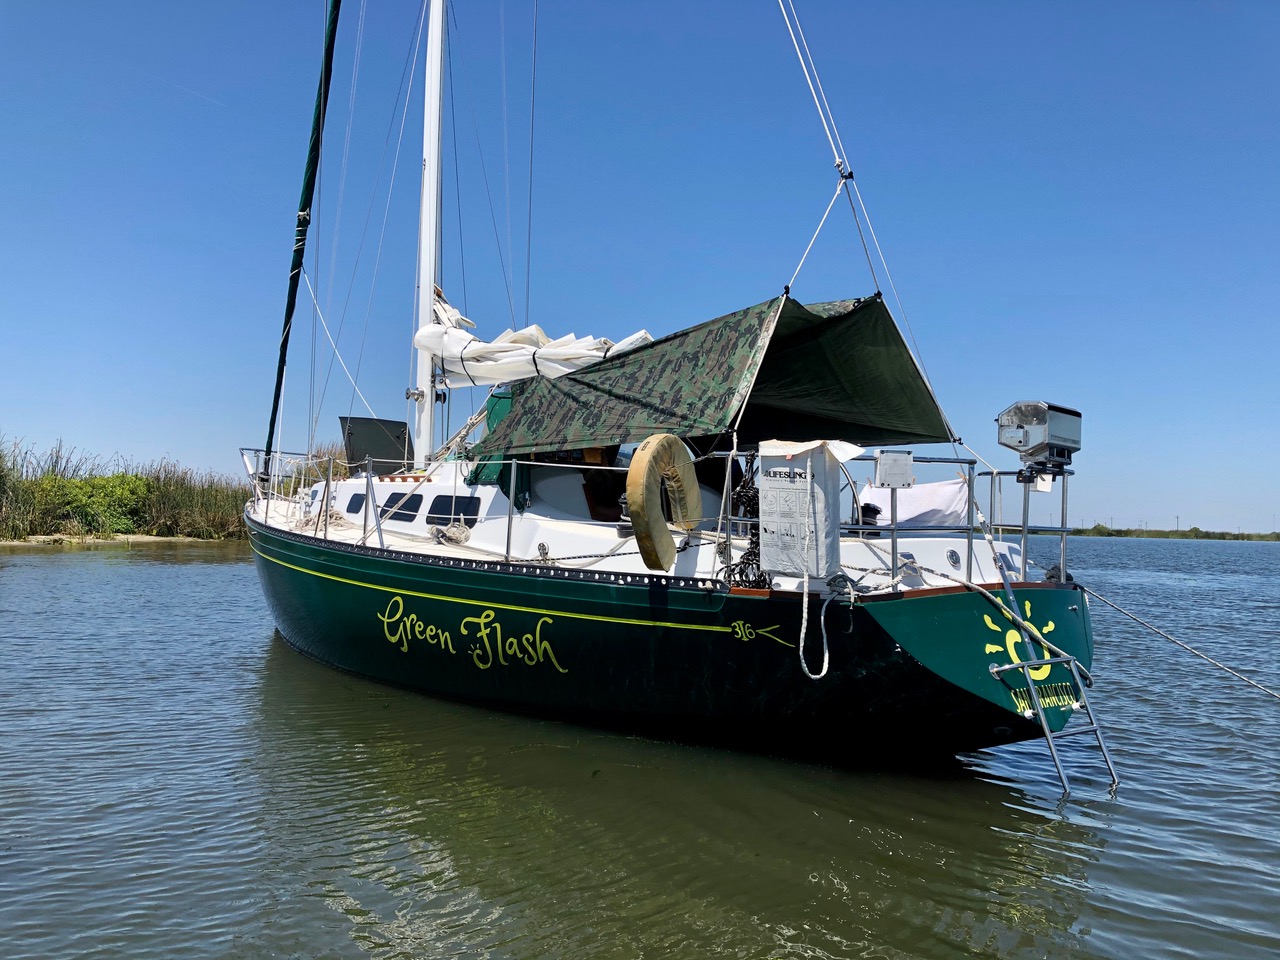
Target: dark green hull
pixel 668 656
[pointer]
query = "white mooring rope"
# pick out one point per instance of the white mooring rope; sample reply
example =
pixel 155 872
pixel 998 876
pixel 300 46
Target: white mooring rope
pixel 804 590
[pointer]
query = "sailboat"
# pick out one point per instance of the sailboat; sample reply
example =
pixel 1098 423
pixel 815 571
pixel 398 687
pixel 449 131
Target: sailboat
pixel 666 537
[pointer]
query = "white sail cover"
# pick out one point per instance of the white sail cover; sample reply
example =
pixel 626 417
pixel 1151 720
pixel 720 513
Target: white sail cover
pixel 514 355
pixel 447 314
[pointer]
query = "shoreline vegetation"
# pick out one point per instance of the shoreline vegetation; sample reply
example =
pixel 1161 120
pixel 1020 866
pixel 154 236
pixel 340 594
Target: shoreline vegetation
pixel 62 495
pixel 1191 533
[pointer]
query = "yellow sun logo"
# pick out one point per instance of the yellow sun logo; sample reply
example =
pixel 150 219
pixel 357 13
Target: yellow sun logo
pixel 1012 637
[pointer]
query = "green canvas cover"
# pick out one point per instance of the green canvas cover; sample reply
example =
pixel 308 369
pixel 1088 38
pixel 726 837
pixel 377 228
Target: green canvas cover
pixel 841 371
pixel 829 371
pixel 494 469
pixel 489 469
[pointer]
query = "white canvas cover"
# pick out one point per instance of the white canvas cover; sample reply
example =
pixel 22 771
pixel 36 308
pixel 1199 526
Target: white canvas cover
pixel 925 505
pixel 515 354
pixel 842 450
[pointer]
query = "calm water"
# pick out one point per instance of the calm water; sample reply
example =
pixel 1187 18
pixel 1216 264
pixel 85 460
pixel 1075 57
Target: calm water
pixel 175 781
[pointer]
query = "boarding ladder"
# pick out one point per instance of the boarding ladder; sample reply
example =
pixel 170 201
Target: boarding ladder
pixel 1081 703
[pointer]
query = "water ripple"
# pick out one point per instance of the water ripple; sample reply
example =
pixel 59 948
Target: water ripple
pixel 180 783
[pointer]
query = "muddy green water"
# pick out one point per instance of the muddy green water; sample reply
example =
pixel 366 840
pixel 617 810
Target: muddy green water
pixel 175 781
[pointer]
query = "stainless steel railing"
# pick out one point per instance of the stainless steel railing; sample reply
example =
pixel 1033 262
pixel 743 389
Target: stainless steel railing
pixel 287 475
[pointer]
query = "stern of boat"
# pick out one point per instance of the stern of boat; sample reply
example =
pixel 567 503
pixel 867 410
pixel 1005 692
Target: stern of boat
pixel 968 639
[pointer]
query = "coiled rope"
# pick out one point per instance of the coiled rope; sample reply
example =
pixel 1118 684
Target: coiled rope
pixel 804 590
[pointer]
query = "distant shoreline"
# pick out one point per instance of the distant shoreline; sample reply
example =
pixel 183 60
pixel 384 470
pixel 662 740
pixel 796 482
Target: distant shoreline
pixel 125 540
pixel 1190 533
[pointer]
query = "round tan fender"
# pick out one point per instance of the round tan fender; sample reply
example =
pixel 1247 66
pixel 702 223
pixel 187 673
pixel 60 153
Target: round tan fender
pixel 661 457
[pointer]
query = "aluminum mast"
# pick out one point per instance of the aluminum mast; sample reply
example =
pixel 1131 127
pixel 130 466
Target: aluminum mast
pixel 423 391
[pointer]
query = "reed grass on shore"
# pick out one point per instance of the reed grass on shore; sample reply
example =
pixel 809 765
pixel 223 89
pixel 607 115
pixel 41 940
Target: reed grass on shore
pixel 62 492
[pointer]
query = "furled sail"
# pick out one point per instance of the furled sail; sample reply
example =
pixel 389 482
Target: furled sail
pixel 468 361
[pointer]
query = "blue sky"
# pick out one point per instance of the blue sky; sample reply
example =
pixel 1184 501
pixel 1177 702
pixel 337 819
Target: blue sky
pixel 1078 202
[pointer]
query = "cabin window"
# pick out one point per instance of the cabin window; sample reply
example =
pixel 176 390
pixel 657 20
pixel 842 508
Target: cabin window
pixel 356 503
pixel 446 509
pixel 400 507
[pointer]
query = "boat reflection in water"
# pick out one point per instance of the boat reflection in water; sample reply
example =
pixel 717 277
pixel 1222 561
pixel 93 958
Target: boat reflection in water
pixel 412 826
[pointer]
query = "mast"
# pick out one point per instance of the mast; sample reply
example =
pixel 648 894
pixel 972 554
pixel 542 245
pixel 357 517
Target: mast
pixel 423 392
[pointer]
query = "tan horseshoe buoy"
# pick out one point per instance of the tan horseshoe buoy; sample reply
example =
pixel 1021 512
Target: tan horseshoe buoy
pixel 661 457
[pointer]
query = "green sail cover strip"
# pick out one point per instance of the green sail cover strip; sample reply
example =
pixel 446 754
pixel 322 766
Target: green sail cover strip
pixel 489 469
pixel 831 371
pixel 494 469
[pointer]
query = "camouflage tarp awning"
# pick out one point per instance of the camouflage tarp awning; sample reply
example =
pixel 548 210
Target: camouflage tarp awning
pixel 831 371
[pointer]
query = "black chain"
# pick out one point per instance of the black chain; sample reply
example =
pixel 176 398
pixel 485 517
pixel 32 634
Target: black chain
pixel 745 503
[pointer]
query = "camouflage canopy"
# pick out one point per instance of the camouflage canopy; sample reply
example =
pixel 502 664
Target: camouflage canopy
pixel 831 371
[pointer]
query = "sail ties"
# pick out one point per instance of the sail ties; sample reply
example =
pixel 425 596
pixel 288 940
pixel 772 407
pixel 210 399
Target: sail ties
pixel 462 357
pixel 514 354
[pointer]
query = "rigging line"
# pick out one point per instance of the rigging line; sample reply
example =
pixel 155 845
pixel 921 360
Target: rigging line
pixel 842 162
pixel 484 173
pixel 902 311
pixel 506 143
pixel 857 222
pixel 826 213
pixel 977 456
pixel 303 218
pixel 318 204
pixel 312 415
pixel 809 80
pixel 837 146
pixel 835 130
pixel 406 86
pixel 997 484
pixel 316 400
pixel 1184 646
pixel 315 259
pixel 528 239
pixel 457 192
pixel 346 146
pixel 325 327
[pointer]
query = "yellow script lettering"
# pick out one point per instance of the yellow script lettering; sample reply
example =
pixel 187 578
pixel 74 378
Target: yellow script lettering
pixel 398 628
pixel 492 645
